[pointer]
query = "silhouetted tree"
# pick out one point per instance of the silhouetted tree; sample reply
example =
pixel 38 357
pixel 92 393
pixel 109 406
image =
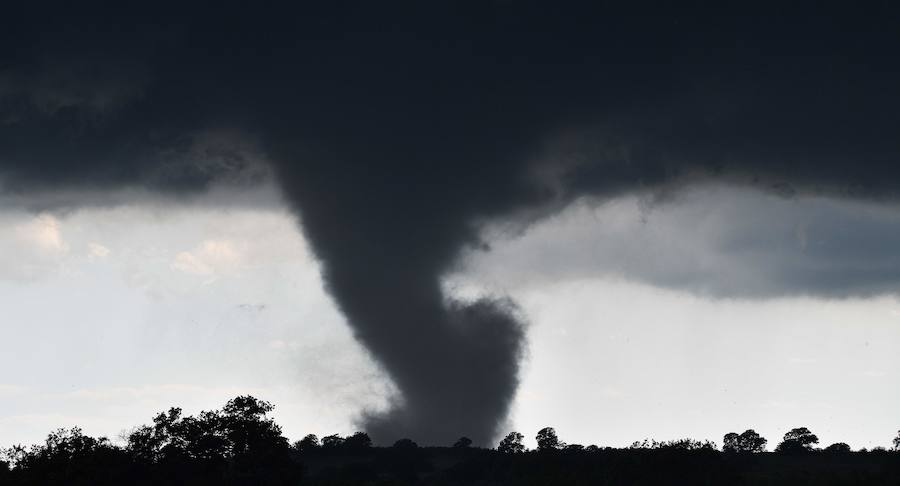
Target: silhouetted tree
pixel 68 456
pixel 240 430
pixel 897 441
pixel 248 431
pixel 687 445
pixel 245 407
pixel 797 440
pixel 359 441
pixel 463 443
pixel 13 455
pixel 512 444
pixel 332 442
pixel 677 444
pixel 235 442
pixel 644 444
pixel 307 444
pixel 838 447
pixel 405 444
pixel 164 438
pixel 748 441
pixel 731 442
pixel 752 442
pixel 547 439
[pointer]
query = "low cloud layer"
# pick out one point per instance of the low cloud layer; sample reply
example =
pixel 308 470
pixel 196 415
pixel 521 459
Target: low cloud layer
pixel 713 241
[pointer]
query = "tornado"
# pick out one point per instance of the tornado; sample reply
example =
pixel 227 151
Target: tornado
pixel 385 236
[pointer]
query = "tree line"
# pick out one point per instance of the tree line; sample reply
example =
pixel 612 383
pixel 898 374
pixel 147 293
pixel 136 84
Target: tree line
pixel 240 444
pixel 797 440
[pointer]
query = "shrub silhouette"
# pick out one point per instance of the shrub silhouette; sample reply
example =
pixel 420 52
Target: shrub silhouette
pixel 677 444
pixel 463 443
pixel 838 447
pixel 405 444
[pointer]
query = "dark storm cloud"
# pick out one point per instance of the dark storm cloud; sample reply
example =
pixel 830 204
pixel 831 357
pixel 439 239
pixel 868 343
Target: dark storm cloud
pixel 394 130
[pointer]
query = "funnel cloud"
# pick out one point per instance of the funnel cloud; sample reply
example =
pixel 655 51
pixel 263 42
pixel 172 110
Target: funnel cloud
pixel 396 132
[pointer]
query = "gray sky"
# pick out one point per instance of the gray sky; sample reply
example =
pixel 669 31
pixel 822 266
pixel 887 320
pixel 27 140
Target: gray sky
pixel 646 319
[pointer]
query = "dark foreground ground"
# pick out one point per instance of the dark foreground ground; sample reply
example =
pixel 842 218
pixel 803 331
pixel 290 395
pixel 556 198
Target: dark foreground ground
pixel 449 466
pixel 609 466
